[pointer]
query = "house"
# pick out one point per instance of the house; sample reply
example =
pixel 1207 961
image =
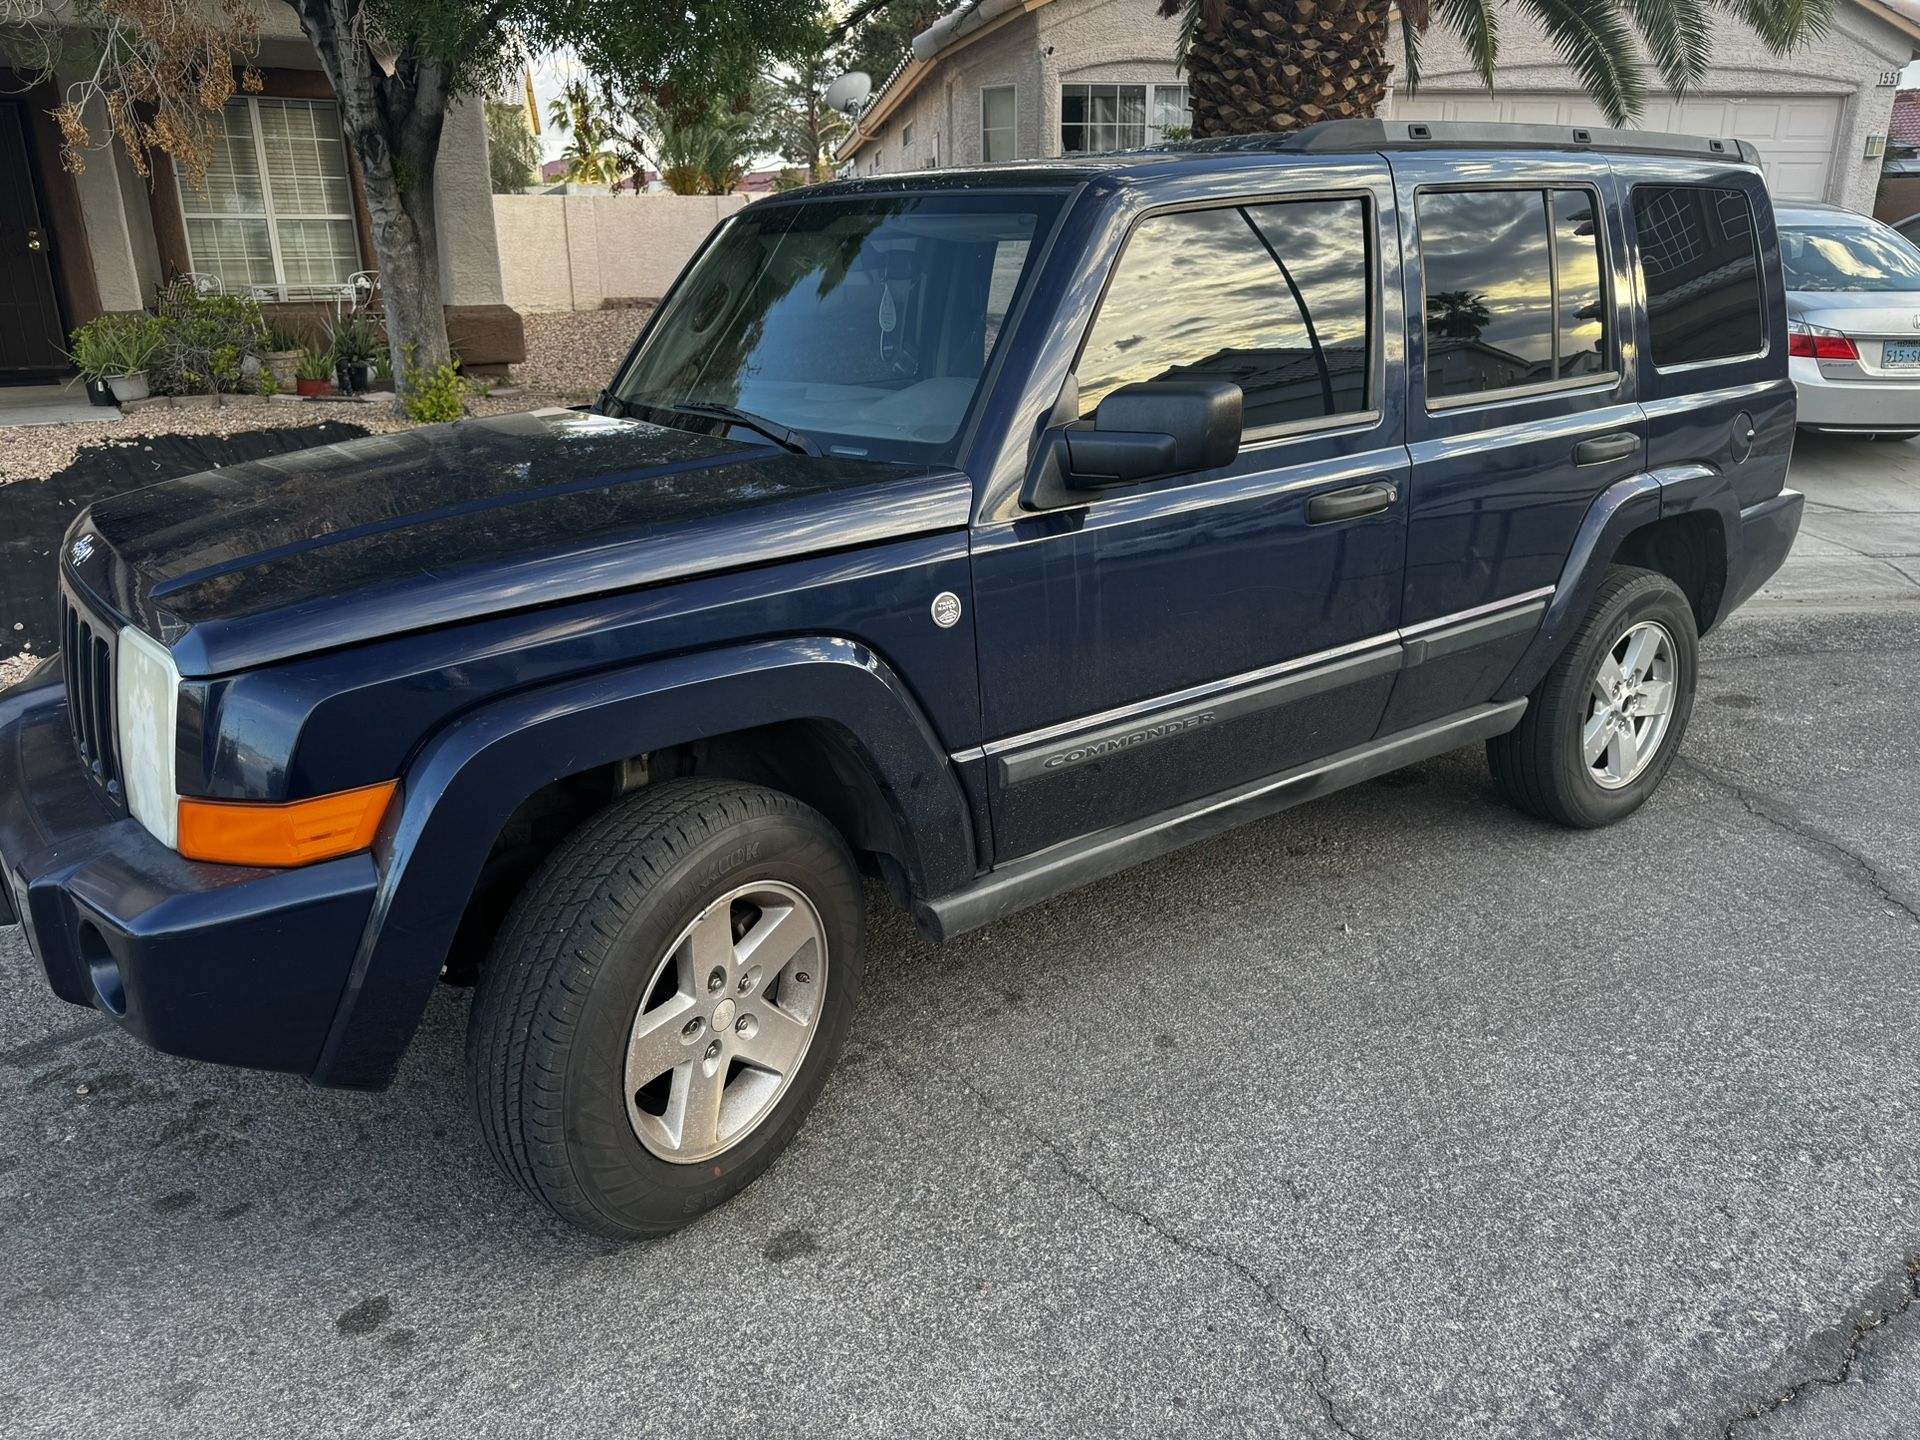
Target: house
pixel 1818 117
pixel 1024 79
pixel 1029 79
pixel 282 216
pixel 1899 195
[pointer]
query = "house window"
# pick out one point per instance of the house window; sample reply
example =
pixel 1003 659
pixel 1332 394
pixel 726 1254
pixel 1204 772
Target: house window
pixel 1120 117
pixel 277 210
pixel 906 137
pixel 998 135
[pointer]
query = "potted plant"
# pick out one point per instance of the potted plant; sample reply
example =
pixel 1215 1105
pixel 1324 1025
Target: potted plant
pixel 285 346
pixel 314 374
pixel 353 341
pixel 115 348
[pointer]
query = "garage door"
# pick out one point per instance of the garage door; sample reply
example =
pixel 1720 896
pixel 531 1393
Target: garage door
pixel 1796 138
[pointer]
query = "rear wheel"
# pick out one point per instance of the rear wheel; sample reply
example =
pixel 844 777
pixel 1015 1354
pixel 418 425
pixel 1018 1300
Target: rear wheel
pixel 663 1005
pixel 1604 725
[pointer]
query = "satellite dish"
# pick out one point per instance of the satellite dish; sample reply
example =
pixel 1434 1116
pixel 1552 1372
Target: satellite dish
pixel 849 92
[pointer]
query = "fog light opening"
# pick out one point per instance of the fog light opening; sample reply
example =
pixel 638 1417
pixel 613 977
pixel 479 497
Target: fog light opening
pixel 102 969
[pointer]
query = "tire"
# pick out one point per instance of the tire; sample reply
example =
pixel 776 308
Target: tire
pixel 620 931
pixel 1542 765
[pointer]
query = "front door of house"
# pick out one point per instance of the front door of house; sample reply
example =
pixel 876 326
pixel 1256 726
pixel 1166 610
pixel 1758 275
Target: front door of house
pixel 30 333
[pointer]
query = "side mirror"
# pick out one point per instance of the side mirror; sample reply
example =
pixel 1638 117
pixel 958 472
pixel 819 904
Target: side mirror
pixel 1154 429
pixel 1140 432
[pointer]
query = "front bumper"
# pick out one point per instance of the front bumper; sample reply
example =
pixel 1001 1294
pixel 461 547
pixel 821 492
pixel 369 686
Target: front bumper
pixel 1884 407
pixel 213 962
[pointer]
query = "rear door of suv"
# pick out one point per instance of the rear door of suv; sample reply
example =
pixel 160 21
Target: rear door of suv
pixel 1521 403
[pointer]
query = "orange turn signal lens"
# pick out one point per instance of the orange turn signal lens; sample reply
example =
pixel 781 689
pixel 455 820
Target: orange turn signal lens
pixel 230 832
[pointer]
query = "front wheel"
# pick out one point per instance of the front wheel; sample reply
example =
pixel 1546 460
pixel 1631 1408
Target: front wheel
pixel 1604 725
pixel 663 1005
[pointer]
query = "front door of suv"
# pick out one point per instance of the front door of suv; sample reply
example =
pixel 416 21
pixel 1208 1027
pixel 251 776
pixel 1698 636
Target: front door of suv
pixel 1159 643
pixel 1520 410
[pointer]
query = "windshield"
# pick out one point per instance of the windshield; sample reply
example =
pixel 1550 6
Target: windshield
pixel 863 326
pixel 1855 258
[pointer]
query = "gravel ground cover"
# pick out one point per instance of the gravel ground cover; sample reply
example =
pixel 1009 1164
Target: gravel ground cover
pixel 569 357
pixel 572 355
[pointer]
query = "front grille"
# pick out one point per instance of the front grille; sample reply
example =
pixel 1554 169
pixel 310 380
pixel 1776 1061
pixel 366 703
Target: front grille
pixel 87 655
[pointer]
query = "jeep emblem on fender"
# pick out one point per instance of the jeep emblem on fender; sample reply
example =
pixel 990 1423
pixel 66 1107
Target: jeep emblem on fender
pixel 946 609
pixel 82 550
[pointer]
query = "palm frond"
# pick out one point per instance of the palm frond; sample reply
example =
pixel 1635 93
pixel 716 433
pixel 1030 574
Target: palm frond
pixel 1596 42
pixel 1477 26
pixel 1678 35
pixel 1188 13
pixel 1784 24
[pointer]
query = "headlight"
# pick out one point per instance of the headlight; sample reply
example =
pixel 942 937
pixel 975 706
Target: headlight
pixel 146 698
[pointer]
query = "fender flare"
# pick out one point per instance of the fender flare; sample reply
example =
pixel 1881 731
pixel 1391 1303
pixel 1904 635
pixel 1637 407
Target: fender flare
pixel 1621 509
pixel 469 777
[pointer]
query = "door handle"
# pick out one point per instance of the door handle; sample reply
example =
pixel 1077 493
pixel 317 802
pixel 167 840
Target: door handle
pixel 1350 504
pixel 1602 448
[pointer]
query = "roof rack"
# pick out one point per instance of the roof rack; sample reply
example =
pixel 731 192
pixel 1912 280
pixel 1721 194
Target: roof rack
pixel 1363 136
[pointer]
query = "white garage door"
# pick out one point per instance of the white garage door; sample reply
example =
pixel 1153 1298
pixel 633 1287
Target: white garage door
pixel 1796 138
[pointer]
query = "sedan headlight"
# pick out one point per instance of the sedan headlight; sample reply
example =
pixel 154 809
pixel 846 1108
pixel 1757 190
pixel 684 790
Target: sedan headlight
pixel 146 697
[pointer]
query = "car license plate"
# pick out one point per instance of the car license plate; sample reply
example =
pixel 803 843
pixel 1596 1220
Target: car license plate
pixel 1900 356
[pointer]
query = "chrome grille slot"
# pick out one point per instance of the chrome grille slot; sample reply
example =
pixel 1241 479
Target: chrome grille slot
pixel 86 653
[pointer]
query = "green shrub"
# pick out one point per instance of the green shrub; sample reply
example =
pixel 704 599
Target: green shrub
pixel 283 337
pixel 119 344
pixel 354 339
pixel 435 395
pixel 206 340
pixel 315 364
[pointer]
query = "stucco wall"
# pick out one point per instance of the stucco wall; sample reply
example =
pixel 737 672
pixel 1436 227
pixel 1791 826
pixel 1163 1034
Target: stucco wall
pixel 571 252
pixel 1846 64
pixel 463 196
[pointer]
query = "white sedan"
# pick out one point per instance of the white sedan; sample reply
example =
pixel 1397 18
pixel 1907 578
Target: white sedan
pixel 1853 313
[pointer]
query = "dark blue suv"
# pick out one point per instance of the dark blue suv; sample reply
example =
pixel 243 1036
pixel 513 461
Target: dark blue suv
pixel 982 532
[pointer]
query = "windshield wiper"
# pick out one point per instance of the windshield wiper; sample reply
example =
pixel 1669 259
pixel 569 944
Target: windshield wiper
pixel 781 435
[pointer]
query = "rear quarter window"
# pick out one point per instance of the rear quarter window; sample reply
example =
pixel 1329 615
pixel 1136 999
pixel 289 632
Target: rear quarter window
pixel 1700 272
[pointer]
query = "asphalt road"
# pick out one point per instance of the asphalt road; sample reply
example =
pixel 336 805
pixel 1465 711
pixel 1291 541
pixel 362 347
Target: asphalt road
pixel 1398 1115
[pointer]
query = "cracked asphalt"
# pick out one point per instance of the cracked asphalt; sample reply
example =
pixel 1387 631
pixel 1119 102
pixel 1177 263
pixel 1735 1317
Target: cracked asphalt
pixel 1397 1115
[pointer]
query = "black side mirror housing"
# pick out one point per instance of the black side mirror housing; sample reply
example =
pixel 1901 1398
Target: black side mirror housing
pixel 1140 432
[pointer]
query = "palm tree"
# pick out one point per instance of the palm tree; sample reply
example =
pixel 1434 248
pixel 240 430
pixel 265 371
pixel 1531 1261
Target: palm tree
pixel 578 113
pixel 1458 314
pixel 1255 66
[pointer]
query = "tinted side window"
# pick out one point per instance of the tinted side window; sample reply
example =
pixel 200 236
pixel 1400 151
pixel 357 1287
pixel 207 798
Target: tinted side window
pixel 1700 264
pixel 1513 291
pixel 1275 298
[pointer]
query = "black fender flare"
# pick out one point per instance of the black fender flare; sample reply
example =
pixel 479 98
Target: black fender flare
pixel 469 777
pixel 1622 508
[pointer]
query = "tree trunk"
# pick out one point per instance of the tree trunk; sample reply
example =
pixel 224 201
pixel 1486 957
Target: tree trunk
pixel 1268 66
pixel 393 125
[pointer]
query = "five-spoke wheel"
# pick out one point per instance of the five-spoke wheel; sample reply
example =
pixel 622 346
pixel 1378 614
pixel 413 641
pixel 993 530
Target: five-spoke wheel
pixel 659 1012
pixel 726 1022
pixel 1603 725
pixel 1629 706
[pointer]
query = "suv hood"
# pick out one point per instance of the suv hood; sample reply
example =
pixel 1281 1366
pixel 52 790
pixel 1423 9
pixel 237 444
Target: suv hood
pixel 369 538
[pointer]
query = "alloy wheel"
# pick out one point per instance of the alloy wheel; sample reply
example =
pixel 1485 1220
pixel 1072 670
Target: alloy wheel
pixel 1629 706
pixel 726 1021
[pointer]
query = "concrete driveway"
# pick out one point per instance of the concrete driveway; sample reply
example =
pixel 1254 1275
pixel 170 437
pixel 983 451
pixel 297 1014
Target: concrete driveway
pixel 1400 1115
pixel 1860 542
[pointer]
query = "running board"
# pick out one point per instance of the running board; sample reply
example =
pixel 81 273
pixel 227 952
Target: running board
pixel 1054 871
